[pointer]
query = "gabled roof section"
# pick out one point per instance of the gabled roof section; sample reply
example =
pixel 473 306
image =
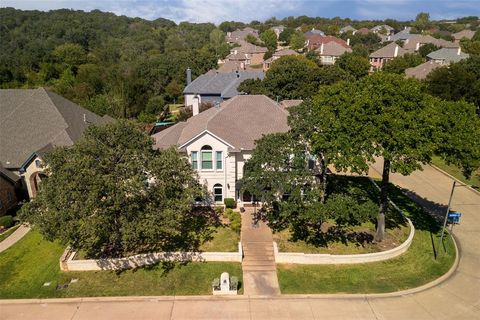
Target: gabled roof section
pixel 332 48
pixel 30 119
pixel 238 122
pixel 389 51
pixel 449 55
pixel 464 34
pixel 219 83
pixel 422 71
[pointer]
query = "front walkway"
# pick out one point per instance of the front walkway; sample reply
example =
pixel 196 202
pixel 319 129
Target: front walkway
pixel 14 237
pixel 259 269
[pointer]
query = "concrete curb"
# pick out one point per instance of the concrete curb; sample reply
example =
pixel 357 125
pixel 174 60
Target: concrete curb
pixel 452 177
pixel 360 296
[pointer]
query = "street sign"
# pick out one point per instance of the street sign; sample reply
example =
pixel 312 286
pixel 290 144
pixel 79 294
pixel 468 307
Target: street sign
pixel 454 216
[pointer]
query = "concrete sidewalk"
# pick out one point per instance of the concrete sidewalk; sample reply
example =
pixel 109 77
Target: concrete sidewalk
pixel 14 237
pixel 456 298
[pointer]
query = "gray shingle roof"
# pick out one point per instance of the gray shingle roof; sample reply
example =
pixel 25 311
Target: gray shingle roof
pixel 347 28
pixel 332 49
pixel 223 84
pixel 31 119
pixel 411 44
pixel 9 175
pixel 388 51
pixel 422 71
pixel 239 121
pixel 449 55
pixel 402 35
pixel 464 34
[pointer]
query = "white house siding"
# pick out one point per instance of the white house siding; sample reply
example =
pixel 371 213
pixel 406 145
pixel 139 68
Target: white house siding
pixel 214 176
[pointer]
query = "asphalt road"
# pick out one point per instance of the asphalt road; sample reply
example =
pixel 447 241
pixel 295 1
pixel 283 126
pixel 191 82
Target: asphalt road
pixel 458 297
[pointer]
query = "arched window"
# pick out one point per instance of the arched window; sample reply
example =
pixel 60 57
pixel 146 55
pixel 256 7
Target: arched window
pixel 218 192
pixel 207 157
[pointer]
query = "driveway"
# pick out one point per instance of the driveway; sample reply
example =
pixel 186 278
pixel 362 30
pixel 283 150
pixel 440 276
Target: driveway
pixel 456 298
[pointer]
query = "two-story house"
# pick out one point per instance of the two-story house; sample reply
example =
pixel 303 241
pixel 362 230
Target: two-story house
pixel 329 52
pixel 33 122
pixel 220 140
pixel 385 54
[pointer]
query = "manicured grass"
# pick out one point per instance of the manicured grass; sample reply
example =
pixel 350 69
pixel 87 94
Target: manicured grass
pixel 396 236
pixel 456 172
pixel 224 240
pixel 422 263
pixel 4 235
pixel 31 262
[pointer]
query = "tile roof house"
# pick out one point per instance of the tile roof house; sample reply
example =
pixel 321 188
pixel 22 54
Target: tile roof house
pixel 346 29
pixel 420 72
pixel 215 87
pixel 446 56
pixel 329 52
pixel 414 43
pixel 383 55
pixel 239 35
pixel 378 29
pixel 363 31
pixel 314 32
pixel 278 30
pixel 278 54
pixel 314 41
pixel 220 140
pixel 468 34
pixel 33 121
pixel 247 53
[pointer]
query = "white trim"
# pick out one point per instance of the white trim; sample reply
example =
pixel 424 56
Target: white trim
pixel 202 133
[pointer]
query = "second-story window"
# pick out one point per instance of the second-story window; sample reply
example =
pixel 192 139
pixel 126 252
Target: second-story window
pixel 38 163
pixel 195 160
pixel 219 160
pixel 207 157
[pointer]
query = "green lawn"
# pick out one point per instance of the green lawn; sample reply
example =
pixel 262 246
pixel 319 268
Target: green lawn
pixel 224 240
pixel 422 263
pixel 395 236
pixel 27 265
pixel 8 232
pixel 456 172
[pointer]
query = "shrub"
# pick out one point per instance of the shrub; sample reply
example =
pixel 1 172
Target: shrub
pixel 230 203
pixel 233 283
pixel 6 221
pixel 235 220
pixel 216 284
pixel 219 209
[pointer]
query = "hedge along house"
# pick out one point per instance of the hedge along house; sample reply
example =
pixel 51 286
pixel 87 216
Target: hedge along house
pixel 32 123
pixel 220 140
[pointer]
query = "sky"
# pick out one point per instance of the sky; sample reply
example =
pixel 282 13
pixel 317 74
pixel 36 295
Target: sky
pixel 217 11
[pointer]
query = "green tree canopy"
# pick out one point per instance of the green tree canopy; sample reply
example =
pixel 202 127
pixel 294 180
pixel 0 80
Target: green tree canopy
pixel 400 64
pixel 269 38
pixel 354 64
pixel 297 40
pixel 112 195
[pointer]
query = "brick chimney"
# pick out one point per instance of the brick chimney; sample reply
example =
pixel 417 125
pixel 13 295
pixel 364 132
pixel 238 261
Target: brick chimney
pixel 196 104
pixel 189 76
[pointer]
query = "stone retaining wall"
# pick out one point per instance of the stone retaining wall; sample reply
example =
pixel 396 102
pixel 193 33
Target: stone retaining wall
pixel 67 262
pixel 321 258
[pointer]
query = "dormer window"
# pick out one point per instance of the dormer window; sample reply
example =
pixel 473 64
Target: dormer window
pixel 38 163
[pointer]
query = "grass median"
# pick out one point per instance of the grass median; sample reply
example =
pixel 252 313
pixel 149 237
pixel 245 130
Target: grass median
pixel 422 263
pixel 29 264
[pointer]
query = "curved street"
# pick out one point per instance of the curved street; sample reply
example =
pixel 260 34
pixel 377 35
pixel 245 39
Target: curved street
pixel 456 298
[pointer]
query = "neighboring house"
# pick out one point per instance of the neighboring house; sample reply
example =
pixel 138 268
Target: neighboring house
pixel 278 30
pixel 278 54
pixel 33 122
pixel 414 43
pixel 422 71
pixel 446 56
pixel 248 54
pixel 239 36
pixel 402 35
pixel 9 183
pixel 329 52
pixel 383 29
pixel 363 31
pixel 234 65
pixel 218 141
pixel 467 34
pixel 348 28
pixel 314 32
pixel 215 87
pixel 315 41
pixel 383 55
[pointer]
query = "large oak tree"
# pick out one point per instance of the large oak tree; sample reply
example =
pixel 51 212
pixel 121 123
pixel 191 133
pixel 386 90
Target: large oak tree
pixel 112 195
